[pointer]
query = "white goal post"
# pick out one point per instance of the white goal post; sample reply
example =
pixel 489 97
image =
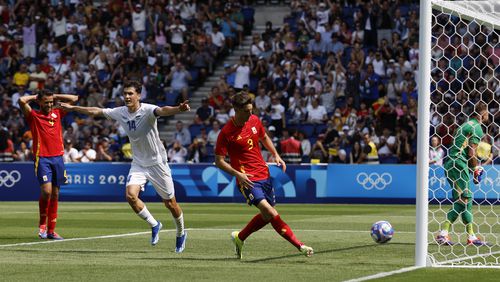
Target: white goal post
pixel 482 16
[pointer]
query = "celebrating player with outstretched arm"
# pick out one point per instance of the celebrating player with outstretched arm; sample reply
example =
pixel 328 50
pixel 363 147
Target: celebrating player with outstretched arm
pixel 462 160
pixel 48 149
pixel 240 140
pixel 149 160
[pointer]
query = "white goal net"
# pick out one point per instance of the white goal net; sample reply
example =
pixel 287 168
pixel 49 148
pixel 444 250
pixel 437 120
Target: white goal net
pixel 465 71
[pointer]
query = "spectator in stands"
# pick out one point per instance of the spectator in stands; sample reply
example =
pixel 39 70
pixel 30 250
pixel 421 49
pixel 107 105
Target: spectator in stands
pixel 218 39
pixel 21 77
pixel 182 134
pixel 70 153
pixel 262 101
pixel 197 151
pixel 386 147
pixel 305 146
pixel 215 99
pixel 205 113
pixel 242 72
pixel 318 152
pixel 213 133
pixel 6 146
pixel 23 153
pixel 369 153
pixel 353 81
pixel 404 147
pixel 436 152
pixel 316 113
pixel 179 77
pixel 277 114
pixel 178 153
pixel 290 148
pixel 87 153
pixel 104 152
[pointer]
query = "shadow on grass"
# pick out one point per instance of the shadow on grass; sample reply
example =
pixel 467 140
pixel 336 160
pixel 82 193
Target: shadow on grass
pixel 324 252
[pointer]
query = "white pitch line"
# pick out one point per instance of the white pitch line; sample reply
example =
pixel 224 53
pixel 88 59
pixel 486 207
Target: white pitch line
pixel 167 230
pixel 466 258
pixel 384 274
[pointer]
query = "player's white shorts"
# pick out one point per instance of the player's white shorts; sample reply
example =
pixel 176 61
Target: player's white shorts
pixel 159 175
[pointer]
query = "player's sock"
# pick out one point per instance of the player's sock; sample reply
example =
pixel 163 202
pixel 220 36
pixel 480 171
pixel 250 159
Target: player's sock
pixel 468 218
pixel 179 225
pixel 51 226
pixel 446 227
pixel 285 231
pixel 43 206
pixel 470 229
pixel 256 223
pixel 146 215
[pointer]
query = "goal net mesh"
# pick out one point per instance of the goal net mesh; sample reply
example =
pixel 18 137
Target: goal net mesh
pixel 465 70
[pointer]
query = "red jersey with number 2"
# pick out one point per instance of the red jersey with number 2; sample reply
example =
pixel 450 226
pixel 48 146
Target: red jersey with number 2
pixel 47 133
pixel 242 146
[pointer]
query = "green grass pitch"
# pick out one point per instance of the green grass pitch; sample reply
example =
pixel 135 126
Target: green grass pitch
pixel 339 235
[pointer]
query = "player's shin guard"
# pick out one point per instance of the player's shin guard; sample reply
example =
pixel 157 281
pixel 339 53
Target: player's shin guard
pixel 43 206
pixel 256 223
pixel 51 226
pixel 285 231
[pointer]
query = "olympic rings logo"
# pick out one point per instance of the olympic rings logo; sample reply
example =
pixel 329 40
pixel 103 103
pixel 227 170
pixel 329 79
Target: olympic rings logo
pixel 9 178
pixel 374 180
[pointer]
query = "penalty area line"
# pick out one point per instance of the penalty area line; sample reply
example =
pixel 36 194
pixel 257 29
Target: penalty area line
pixel 384 274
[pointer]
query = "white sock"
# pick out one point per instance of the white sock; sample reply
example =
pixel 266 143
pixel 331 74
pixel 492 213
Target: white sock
pixel 147 216
pixel 179 225
pixel 443 233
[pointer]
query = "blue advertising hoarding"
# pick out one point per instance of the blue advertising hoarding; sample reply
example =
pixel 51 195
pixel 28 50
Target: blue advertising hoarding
pixel 205 183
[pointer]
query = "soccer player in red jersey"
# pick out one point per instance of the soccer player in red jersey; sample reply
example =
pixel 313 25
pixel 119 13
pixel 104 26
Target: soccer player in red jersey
pixel 48 149
pixel 240 140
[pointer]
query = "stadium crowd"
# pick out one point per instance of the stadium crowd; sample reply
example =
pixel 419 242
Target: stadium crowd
pixel 336 83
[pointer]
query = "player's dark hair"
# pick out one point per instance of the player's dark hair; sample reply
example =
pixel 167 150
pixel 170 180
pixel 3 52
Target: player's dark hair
pixel 479 108
pixel 134 84
pixel 42 93
pixel 241 99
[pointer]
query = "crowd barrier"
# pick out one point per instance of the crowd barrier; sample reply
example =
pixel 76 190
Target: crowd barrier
pixel 332 183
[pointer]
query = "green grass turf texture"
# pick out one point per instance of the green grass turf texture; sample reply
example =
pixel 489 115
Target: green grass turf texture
pixel 339 235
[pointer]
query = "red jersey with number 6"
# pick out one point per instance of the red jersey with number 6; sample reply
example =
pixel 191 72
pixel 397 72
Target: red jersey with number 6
pixel 242 146
pixel 47 133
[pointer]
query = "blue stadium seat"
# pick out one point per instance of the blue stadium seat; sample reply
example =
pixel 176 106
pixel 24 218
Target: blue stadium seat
pixel 195 129
pixel 171 98
pixel 307 128
pixel 320 128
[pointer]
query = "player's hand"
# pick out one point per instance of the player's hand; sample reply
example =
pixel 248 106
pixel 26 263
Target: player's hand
pixel 280 162
pixel 184 106
pixel 478 174
pixel 244 181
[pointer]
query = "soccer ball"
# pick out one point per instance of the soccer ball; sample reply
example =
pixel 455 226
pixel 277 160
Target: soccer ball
pixel 382 232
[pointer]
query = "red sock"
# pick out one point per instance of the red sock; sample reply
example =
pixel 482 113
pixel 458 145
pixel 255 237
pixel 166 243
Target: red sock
pixel 43 205
pixel 52 215
pixel 285 231
pixel 254 225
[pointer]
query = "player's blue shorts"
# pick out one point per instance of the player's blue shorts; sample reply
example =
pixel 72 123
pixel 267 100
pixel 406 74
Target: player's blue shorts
pixel 261 190
pixel 50 169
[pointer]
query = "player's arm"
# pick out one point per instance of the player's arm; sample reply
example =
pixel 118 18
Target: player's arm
pixel 474 163
pixel 90 111
pixel 168 111
pixel 243 179
pixel 268 143
pixel 24 103
pixel 67 98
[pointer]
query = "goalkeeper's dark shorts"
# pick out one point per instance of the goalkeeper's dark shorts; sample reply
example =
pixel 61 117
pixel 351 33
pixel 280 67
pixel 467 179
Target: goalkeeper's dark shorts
pixel 458 176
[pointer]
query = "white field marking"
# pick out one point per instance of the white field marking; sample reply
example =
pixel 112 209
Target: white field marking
pixel 444 263
pixel 384 274
pixel 167 230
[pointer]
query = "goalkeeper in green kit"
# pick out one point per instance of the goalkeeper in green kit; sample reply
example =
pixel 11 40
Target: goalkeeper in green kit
pixel 461 162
